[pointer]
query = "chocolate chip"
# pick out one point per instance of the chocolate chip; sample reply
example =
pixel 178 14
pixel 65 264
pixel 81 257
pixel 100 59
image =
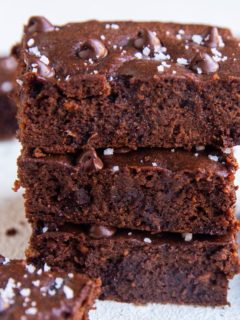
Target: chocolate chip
pixel 203 63
pixel 92 49
pixel 90 161
pixel 41 68
pixel 98 232
pixel 38 24
pixel 211 37
pixel 146 38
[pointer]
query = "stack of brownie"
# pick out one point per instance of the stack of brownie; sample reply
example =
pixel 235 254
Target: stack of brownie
pixel 127 130
pixel 8 122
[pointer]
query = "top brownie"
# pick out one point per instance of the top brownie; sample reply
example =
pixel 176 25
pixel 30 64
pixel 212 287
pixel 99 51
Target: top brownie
pixel 134 84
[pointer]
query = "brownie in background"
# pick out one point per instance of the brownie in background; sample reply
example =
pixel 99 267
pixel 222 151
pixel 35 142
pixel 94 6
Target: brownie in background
pixel 8 122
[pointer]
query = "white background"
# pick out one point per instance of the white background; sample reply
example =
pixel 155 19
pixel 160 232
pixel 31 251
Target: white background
pixel 13 14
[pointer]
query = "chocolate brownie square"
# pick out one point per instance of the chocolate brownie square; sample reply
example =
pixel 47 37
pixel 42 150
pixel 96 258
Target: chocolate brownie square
pixel 128 84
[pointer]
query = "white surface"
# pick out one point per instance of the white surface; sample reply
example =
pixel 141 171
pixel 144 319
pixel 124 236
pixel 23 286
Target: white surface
pixel 13 13
pixel 12 215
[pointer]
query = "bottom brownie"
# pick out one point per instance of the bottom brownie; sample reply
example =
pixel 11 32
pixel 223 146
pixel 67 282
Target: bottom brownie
pixel 41 294
pixel 140 268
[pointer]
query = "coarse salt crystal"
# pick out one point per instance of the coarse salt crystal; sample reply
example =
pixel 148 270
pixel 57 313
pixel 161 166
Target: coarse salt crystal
pixel 160 68
pixel 25 292
pixel 44 229
pixel 30 268
pixel 147 240
pixel 31 311
pixel 114 26
pixel 146 51
pixel 46 268
pixel 36 283
pixel 227 150
pixel 68 292
pixel 108 152
pixel 182 61
pixel 35 51
pixel 154 164
pixel 19 82
pixel 70 275
pixel 58 282
pixel 197 38
pixel 102 37
pixel 187 236
pixel 44 59
pixel 213 158
pixel 115 168
pixel 6 261
pixel 30 42
pixel 138 55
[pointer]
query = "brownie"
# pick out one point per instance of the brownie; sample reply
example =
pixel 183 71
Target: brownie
pixel 41 294
pixel 134 84
pixel 8 122
pixel 149 189
pixel 139 267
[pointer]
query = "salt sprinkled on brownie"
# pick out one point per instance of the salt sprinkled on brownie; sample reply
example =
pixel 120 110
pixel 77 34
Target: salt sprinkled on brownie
pixel 115 168
pixel 187 236
pixel 213 158
pixel 147 240
pixel 108 152
pixel 182 61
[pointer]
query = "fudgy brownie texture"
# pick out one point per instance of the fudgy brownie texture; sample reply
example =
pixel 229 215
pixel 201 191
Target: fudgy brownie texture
pixel 148 189
pixel 8 110
pixel 41 294
pixel 134 84
pixel 138 267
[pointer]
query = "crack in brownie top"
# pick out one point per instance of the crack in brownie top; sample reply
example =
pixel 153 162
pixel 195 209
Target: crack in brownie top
pixel 139 49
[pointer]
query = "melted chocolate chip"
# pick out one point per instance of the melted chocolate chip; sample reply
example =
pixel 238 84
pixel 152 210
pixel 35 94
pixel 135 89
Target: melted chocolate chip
pixel 92 49
pixel 90 161
pixel 203 63
pixel 211 37
pixel 98 232
pixel 38 24
pixel 41 68
pixel 146 38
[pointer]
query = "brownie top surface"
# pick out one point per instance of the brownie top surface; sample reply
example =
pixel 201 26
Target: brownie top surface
pixel 30 293
pixel 8 67
pixel 139 49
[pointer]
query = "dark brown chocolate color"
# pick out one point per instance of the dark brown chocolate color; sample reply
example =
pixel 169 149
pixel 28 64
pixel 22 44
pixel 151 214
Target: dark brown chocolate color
pixel 148 189
pixel 139 267
pixel 128 84
pixel 8 122
pixel 27 292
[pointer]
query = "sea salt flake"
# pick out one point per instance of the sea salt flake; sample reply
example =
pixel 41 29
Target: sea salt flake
pixel 102 37
pixel 115 168
pixel 138 55
pixel 46 268
pixel 147 240
pixel 30 268
pixel 58 282
pixel 34 51
pixel 68 292
pixel 146 51
pixel 160 68
pixel 197 38
pixel 213 158
pixel 31 311
pixel 36 283
pixel 6 261
pixel 179 37
pixel 114 26
pixel 44 229
pixel 129 233
pixel 187 236
pixel 25 292
pixel 108 152
pixel 227 150
pixel 70 275
pixel 199 70
pixel 44 59
pixel 30 42
pixel 154 164
pixel 196 154
pixel 182 61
